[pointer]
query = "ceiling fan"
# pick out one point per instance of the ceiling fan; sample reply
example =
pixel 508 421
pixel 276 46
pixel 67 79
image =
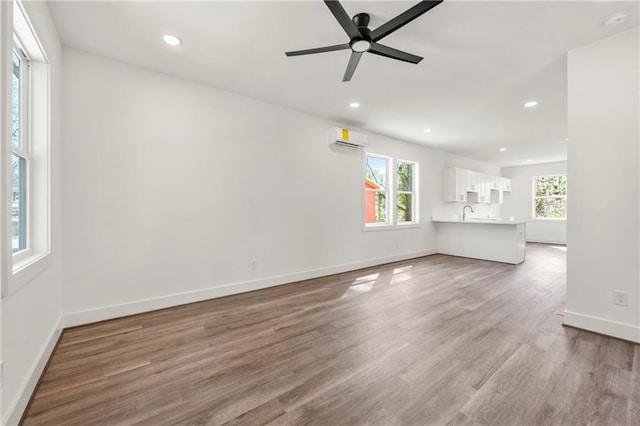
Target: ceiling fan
pixel 362 39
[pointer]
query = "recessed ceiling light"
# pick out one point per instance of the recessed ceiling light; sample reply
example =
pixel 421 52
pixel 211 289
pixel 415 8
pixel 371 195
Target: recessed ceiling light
pixel 354 104
pixel 172 40
pixel 616 19
pixel 427 130
pixel 502 149
pixel 566 139
pixel 529 161
pixel 530 104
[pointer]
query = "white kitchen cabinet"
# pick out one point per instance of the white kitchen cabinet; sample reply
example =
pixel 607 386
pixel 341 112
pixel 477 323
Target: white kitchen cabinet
pixel 455 185
pixel 505 184
pixel 493 182
pixel 472 179
pixel 499 241
pixel 484 188
pixel 461 185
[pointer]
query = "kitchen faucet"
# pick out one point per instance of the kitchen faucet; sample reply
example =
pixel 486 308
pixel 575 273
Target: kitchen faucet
pixel 464 212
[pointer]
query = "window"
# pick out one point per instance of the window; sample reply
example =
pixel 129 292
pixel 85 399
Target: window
pixel 389 199
pixel 376 184
pixel 19 152
pixel 27 175
pixel 405 201
pixel 550 197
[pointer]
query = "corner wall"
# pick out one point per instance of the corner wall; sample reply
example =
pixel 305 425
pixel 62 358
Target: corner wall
pixel 519 202
pixel 604 183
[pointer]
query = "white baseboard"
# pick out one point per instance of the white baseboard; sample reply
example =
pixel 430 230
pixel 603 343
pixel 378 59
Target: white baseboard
pixel 17 407
pixel 562 243
pixel 114 311
pixel 603 326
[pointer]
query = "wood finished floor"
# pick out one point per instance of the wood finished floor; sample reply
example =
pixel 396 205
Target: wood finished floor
pixel 432 341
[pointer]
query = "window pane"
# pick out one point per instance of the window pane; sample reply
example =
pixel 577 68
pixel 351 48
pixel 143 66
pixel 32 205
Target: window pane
pixel 375 207
pixel 405 207
pixel 15 100
pixel 551 186
pixel 405 177
pixel 18 203
pixel 381 207
pixel 551 208
pixel 376 173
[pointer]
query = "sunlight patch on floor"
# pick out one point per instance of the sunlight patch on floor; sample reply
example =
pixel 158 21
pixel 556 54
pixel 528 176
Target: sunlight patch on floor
pixel 356 289
pixel 407 268
pixel 361 285
pixel 401 274
pixel 397 279
pixel 371 277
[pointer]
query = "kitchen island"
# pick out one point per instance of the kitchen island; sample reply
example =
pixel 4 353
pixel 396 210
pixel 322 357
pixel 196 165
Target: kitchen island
pixel 498 240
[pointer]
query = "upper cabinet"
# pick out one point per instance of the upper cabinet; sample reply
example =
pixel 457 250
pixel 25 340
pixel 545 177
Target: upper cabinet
pixel 494 182
pixel 455 185
pixel 485 183
pixel 505 184
pixel 461 185
pixel 472 179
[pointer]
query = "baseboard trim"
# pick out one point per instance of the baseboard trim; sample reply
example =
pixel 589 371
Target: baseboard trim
pixel 562 243
pixel 115 311
pixel 603 326
pixel 17 408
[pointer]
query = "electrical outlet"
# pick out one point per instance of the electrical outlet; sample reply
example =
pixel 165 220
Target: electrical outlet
pixel 253 265
pixel 620 298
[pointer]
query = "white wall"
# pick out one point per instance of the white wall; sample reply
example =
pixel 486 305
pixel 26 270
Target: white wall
pixel 519 202
pixel 31 317
pixel 172 188
pixel 604 185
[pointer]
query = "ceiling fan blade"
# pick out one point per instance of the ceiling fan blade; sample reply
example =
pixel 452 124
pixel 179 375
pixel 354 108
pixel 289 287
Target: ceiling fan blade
pixel 351 66
pixel 403 19
pixel 343 19
pixel 318 50
pixel 390 52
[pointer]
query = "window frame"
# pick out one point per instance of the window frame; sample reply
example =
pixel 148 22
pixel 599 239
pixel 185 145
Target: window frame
pixel 391 194
pixel 534 197
pixel 387 191
pixel 414 192
pixel 19 268
pixel 24 149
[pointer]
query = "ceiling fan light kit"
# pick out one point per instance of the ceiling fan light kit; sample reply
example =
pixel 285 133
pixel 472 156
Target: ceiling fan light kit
pixel 360 45
pixel 362 39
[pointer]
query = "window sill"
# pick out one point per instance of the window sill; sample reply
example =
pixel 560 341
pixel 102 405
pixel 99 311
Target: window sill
pixel 25 269
pixel 541 220
pixel 390 227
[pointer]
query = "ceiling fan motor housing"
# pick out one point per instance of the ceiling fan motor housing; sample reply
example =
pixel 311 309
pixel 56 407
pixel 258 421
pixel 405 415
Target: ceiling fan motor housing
pixel 361 21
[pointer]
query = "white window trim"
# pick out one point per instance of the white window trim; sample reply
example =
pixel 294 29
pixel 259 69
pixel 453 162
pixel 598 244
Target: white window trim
pixel 392 213
pixel 21 267
pixel 388 191
pixel 24 150
pixel 534 197
pixel 414 185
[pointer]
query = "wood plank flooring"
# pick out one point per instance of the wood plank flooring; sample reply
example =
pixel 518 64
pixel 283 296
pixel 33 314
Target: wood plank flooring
pixel 438 340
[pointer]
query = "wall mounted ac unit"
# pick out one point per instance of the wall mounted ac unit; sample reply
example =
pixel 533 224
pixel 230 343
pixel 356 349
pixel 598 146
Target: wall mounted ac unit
pixel 346 138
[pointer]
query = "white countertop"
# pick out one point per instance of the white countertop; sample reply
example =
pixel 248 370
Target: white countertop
pixel 478 221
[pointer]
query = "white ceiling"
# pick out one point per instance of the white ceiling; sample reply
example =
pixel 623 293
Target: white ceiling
pixel 482 61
